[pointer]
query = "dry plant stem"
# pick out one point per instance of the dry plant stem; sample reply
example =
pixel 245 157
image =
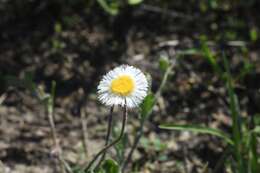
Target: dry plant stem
pixel 2 167
pixel 84 132
pixel 87 168
pixel 141 128
pixel 109 127
pixel 164 80
pixel 54 138
pixel 2 99
pixel 171 13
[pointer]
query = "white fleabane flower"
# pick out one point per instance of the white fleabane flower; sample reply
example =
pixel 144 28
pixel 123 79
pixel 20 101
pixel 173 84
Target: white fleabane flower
pixel 123 84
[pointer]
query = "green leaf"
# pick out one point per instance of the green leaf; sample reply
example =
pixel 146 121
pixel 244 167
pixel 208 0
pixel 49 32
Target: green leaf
pixel 155 144
pixel 110 166
pixel 198 129
pixel 247 68
pixel 256 130
pixel 164 63
pixel 256 118
pixel 213 4
pixel 163 158
pixel 58 28
pixel 191 51
pixel 145 142
pixel 134 2
pixel 209 56
pixel 236 118
pixel 147 105
pixel 158 145
pixel 253 34
pixel 111 8
pixel 253 155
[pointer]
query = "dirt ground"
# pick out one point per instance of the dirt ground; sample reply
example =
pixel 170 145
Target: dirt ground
pixel 75 50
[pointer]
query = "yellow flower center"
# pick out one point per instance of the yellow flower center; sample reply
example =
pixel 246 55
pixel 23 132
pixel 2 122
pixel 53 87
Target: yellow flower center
pixel 123 85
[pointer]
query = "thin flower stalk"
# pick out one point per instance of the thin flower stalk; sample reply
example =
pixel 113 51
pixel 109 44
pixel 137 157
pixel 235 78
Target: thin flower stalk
pixel 57 148
pixel 50 113
pixel 141 128
pixel 123 86
pixel 104 149
pixel 84 131
pixel 109 128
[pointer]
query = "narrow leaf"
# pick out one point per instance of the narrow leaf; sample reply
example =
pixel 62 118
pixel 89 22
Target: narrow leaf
pixel 134 2
pixel 198 129
pixel 147 105
pixel 164 63
pixel 256 130
pixel 111 8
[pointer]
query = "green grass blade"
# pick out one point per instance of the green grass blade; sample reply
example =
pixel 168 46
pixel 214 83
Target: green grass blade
pixel 134 2
pixel 253 154
pixel 199 129
pixel 236 119
pixel 210 57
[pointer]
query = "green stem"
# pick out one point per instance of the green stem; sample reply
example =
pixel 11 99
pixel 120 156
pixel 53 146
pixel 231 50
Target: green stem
pixel 140 131
pixel 253 155
pixel 164 80
pixel 255 167
pixel 87 168
pixel 236 124
pixel 109 127
pixel 136 141
pixel 84 132
pixel 50 113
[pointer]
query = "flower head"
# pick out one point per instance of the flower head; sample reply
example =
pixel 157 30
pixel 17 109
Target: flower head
pixel 123 84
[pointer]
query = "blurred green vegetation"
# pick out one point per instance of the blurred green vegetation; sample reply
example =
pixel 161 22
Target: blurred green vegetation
pixel 222 19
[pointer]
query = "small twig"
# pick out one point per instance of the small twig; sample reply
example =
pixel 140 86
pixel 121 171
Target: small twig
pixel 52 125
pixel 2 167
pixel 2 98
pixel 57 148
pixel 164 80
pixel 84 132
pixel 86 169
pixel 170 13
pixel 186 160
pixel 141 128
pixel 205 168
pixel 169 43
pixel 110 119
